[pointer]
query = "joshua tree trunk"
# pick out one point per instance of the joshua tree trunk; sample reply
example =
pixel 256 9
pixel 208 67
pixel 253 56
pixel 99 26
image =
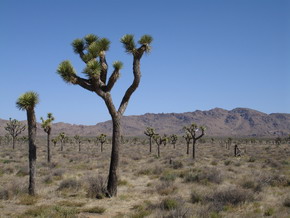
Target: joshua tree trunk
pixel 32 150
pixel 13 142
pixel 187 150
pixel 48 147
pixel 193 148
pixel 150 144
pixel 158 150
pixel 79 146
pixel 113 177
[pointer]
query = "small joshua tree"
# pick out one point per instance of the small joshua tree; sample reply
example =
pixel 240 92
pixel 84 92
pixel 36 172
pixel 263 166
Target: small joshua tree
pixel 173 139
pixel 54 141
pixel 187 138
pixel 159 140
pixel 27 102
pixel 14 128
pixel 150 132
pixel 192 130
pixel 102 139
pixel 46 125
pixel 92 51
pixel 78 140
pixel 63 139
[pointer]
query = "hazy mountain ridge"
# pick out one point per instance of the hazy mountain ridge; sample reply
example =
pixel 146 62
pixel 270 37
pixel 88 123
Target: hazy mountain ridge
pixel 219 122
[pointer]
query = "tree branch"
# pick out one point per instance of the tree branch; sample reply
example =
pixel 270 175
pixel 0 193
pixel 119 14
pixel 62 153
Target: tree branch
pixel 137 76
pixel 104 68
pixel 112 80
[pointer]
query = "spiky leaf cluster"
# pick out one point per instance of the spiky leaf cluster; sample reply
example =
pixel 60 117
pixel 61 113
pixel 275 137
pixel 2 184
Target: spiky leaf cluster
pixel 46 124
pixel 92 69
pixel 149 132
pixel 130 45
pixel 102 138
pixel 66 71
pixel 27 101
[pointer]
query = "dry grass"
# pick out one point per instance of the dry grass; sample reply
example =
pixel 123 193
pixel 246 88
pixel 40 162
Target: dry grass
pixel 216 184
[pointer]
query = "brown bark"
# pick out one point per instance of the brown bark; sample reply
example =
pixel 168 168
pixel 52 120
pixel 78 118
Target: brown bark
pixel 113 177
pixel 48 146
pixel 32 150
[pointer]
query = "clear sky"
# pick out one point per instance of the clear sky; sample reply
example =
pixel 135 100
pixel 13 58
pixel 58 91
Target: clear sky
pixel 205 54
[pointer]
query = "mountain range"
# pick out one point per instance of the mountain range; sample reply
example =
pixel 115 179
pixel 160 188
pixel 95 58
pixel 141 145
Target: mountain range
pixel 239 122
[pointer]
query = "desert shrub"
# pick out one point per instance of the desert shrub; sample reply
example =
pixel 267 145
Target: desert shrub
pixel 269 212
pixel 206 175
pixel 145 171
pixel 58 173
pixel 177 164
pixel 228 162
pixel 96 187
pixel 214 163
pixel 50 211
pixel 165 188
pixel 96 209
pixel 140 211
pixel 122 182
pixel 231 195
pixel 23 171
pixel 71 203
pixel 8 170
pixel 273 163
pixel 251 184
pixel 169 204
pixel 4 194
pixel 272 179
pixel 157 170
pixel 195 197
pixel 252 159
pixel 69 184
pixel 286 202
pixel 28 200
pixel 168 176
pixel 48 179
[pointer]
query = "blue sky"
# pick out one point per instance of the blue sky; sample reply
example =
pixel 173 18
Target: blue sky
pixel 205 54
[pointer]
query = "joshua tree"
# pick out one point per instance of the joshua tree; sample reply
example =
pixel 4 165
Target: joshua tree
pixel 187 138
pixel 46 125
pixel 63 139
pixel 173 139
pixel 14 128
pixel 192 130
pixel 78 141
pixel 92 50
pixel 102 139
pixel 165 140
pixel 27 102
pixel 54 141
pixel 159 140
pixel 150 132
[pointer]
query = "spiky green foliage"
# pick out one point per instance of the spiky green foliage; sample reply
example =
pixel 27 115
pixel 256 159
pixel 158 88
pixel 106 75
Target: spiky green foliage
pixel 78 45
pixel 27 101
pixel 46 124
pixel 128 43
pixel 149 132
pixel 118 65
pixel 66 71
pixel 93 69
pixel 104 44
pixel 102 138
pixel 145 40
pixel 90 38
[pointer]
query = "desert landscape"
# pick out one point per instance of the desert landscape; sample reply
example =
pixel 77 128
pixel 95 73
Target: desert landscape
pixel 214 184
pixel 158 109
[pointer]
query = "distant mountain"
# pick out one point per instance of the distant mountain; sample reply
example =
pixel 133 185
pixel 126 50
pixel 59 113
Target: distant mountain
pixel 238 122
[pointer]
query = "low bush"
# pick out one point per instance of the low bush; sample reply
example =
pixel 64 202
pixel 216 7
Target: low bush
pixel 286 202
pixel 96 187
pixel 69 184
pixel 97 209
pixel 231 195
pixel 195 197
pixel 165 188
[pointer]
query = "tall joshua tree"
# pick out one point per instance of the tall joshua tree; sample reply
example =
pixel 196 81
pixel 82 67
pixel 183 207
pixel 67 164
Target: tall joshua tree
pixel 92 50
pixel 46 125
pixel 78 141
pixel 14 128
pixel 187 138
pixel 192 130
pixel 102 139
pixel 159 140
pixel 63 139
pixel 27 102
pixel 173 139
pixel 150 132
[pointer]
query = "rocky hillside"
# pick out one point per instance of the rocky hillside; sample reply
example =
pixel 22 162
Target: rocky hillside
pixel 238 122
